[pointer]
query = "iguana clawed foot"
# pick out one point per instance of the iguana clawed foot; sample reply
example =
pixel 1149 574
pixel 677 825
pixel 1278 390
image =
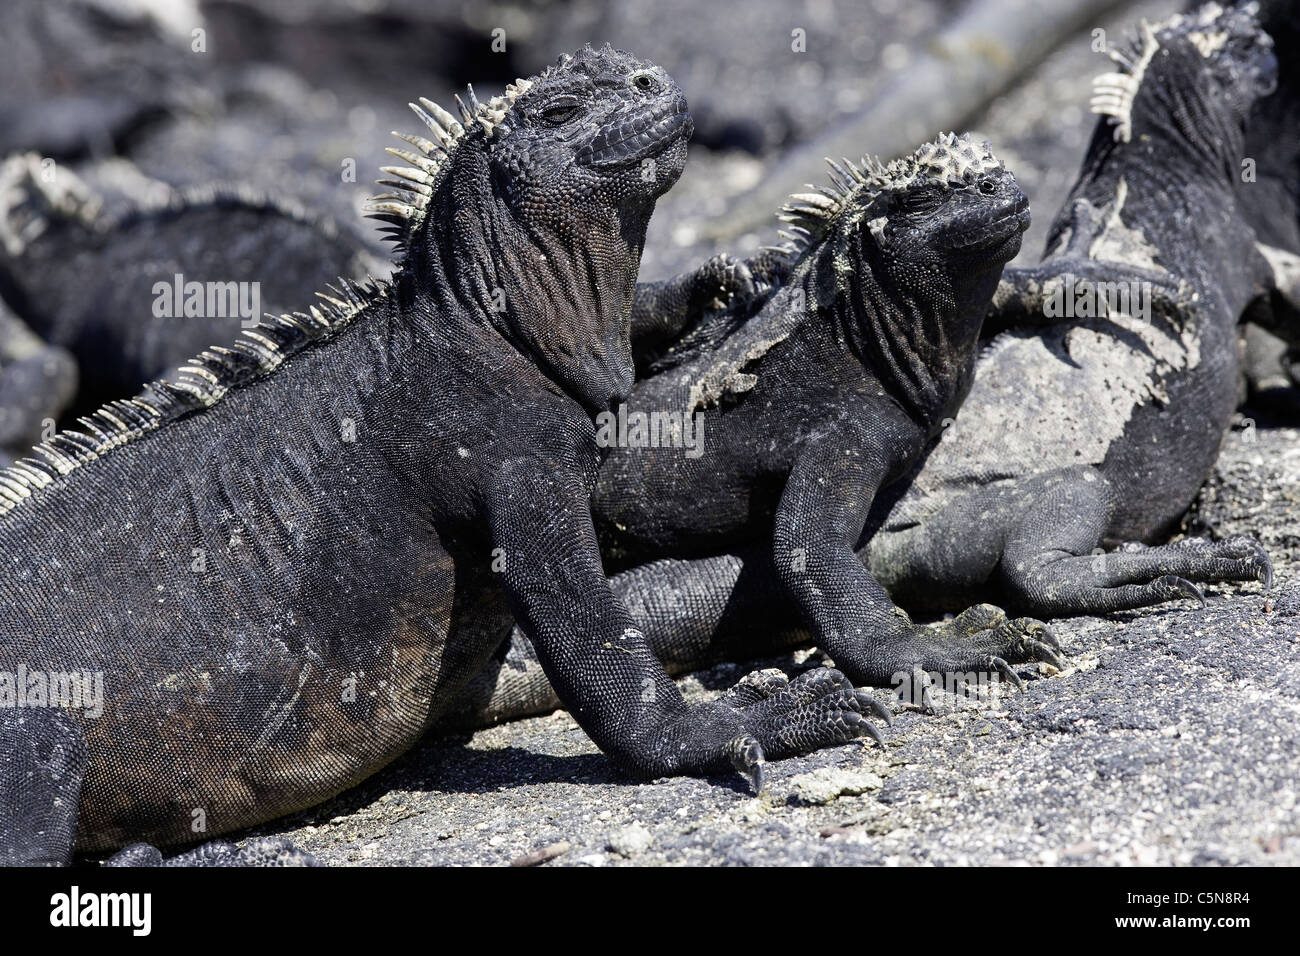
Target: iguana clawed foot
pixel 1136 575
pixel 984 640
pixel 979 644
pixel 725 281
pixel 783 718
pixel 264 851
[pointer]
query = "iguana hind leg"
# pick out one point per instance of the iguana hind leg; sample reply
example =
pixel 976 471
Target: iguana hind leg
pixel 1039 538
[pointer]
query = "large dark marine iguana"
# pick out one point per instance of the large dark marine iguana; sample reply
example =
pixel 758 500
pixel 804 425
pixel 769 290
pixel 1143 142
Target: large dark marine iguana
pixel 806 410
pixel 285 564
pixel 1076 432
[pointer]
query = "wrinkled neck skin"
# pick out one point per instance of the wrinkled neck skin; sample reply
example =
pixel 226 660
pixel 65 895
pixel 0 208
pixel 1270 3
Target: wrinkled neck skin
pixel 920 341
pixel 558 291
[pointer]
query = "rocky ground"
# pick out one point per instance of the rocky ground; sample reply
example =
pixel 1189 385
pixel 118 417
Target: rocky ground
pixel 1170 739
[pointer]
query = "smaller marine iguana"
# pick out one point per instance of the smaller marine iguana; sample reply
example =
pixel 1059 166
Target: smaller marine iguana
pixel 136 295
pixel 286 564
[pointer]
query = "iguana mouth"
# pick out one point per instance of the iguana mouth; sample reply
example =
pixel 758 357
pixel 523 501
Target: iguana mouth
pixel 991 234
pixel 643 134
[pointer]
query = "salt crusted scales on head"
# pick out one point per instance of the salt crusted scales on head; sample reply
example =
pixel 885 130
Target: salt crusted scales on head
pixel 948 161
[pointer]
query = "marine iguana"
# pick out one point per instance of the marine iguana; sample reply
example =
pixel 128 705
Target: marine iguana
pixel 828 394
pixel 135 295
pixel 1107 424
pixel 287 562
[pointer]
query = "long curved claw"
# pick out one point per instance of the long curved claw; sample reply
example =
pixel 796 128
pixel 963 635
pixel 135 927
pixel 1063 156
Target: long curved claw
pixel 873 732
pixel 866 699
pixel 748 759
pixel 1177 585
pixel 1006 673
pixel 1041 652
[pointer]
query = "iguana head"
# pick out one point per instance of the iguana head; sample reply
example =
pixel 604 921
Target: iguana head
pixel 949 211
pixel 1195 76
pixel 534 205
pixel 906 257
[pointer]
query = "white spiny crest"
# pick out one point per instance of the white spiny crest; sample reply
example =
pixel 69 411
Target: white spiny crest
pixel 404 207
pixel 948 160
pixel 201 383
pixel 1113 93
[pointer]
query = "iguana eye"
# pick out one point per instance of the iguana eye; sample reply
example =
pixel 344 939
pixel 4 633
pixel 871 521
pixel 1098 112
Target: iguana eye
pixel 558 113
pixel 644 82
pixel 987 187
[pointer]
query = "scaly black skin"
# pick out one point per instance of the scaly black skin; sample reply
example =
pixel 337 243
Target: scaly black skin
pixel 86 282
pixel 345 590
pixel 1026 484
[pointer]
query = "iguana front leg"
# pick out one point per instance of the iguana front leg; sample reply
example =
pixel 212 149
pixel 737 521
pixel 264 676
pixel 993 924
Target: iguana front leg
pixel 693 613
pixel 603 670
pixel 662 311
pixel 818 521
